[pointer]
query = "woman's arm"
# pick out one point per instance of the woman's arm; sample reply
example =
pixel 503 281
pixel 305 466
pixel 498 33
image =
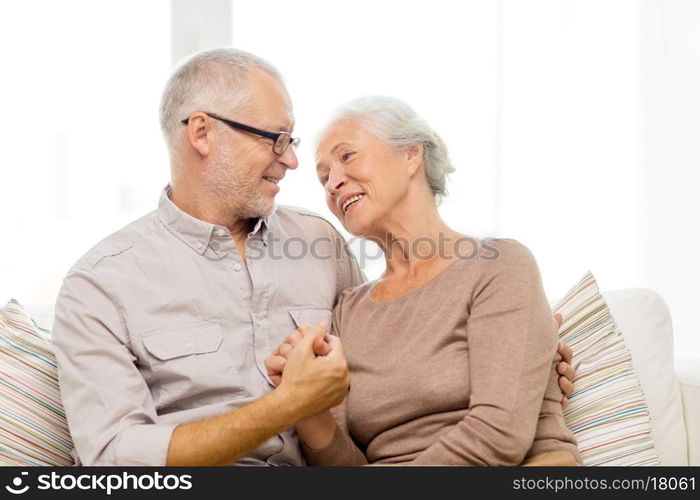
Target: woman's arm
pixel 323 441
pixel 317 432
pixel 336 447
pixel 512 339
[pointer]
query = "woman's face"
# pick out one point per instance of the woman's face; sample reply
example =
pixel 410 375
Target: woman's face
pixel 363 177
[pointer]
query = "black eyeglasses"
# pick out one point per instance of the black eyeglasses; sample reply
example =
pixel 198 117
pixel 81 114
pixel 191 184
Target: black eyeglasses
pixel 280 140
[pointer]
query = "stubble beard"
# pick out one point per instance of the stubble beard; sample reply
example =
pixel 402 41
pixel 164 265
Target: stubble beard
pixel 238 193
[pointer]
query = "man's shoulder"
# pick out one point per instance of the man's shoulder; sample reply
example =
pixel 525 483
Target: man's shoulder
pixel 118 243
pixel 300 216
pixel 292 210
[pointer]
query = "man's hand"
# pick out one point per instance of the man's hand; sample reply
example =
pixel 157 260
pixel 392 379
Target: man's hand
pixel 317 430
pixel 308 385
pixel 566 372
pixel 276 361
pixel 319 382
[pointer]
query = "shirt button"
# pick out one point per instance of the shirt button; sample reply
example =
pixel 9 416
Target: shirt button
pixel 199 245
pixel 237 267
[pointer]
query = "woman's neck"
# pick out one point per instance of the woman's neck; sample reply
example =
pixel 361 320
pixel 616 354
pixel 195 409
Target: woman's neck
pixel 413 237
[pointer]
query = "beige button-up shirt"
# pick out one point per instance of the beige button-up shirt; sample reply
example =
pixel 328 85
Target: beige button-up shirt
pixel 162 323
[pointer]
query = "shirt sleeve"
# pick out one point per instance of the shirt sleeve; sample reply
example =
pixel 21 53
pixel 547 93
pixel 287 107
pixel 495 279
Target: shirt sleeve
pixel 110 411
pixel 512 339
pixel 349 272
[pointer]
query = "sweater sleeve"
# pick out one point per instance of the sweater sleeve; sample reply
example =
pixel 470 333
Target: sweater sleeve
pixel 512 339
pixel 342 450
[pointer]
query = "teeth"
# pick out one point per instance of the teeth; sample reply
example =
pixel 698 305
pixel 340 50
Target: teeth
pixel 352 200
pixel 274 181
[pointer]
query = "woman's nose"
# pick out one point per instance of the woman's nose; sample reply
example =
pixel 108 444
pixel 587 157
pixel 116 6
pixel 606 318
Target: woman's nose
pixel 335 182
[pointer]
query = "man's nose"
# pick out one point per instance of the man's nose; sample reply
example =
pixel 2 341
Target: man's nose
pixel 289 158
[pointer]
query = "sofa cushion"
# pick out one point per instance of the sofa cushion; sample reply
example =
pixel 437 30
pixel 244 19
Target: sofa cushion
pixel 33 428
pixel 645 321
pixel 607 411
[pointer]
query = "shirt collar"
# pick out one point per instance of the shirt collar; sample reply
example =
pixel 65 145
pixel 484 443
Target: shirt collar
pixel 194 232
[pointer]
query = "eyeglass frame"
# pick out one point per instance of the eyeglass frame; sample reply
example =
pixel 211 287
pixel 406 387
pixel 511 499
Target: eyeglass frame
pixel 293 141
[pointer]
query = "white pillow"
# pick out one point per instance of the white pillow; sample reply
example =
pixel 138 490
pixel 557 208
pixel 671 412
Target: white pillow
pixel 645 321
pixel 607 411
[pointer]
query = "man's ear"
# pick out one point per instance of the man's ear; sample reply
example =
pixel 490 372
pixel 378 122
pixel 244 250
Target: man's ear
pixel 414 159
pixel 199 128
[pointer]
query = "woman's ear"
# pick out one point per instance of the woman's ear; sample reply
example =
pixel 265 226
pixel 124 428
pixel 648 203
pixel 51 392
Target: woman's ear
pixel 414 159
pixel 198 129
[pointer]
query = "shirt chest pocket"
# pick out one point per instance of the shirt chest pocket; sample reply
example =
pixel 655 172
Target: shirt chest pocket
pixel 288 319
pixel 309 315
pixel 191 365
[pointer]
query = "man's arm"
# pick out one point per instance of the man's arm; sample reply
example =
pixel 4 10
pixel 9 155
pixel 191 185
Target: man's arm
pixel 308 386
pixel 566 372
pixel 224 439
pixel 112 416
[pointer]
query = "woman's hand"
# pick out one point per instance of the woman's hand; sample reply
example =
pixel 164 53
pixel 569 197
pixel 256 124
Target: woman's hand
pixel 275 362
pixel 316 431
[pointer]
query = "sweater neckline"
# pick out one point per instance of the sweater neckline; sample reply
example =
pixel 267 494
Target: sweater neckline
pixel 404 296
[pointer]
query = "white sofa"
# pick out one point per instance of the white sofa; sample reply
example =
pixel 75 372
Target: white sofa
pixel 671 387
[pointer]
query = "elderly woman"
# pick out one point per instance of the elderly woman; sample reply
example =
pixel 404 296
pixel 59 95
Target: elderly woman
pixel 452 350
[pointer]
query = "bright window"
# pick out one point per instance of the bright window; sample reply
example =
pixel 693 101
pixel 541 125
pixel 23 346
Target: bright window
pixel 82 149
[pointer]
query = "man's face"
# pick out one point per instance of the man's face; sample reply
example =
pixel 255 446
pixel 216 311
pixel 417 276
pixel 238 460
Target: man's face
pixel 244 171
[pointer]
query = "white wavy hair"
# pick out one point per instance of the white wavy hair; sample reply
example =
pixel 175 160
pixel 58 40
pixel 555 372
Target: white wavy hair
pixel 213 80
pixel 400 127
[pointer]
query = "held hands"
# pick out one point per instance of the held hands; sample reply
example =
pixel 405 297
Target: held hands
pixel 276 362
pixel 566 372
pixel 311 367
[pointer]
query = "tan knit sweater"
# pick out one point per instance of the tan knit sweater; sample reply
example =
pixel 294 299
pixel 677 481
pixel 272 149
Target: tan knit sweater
pixel 457 372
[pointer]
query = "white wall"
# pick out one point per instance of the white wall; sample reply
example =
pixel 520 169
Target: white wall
pixel 573 123
pixel 82 152
pixel 669 151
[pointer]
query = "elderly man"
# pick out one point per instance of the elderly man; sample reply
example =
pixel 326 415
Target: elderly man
pixel 162 328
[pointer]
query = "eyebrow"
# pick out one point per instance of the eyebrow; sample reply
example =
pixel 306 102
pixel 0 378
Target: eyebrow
pixel 335 148
pixel 287 127
pixel 290 129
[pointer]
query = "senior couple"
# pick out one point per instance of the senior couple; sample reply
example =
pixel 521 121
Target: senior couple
pixel 180 340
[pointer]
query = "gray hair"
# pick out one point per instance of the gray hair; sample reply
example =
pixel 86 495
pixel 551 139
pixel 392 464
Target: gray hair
pixel 212 80
pixel 400 127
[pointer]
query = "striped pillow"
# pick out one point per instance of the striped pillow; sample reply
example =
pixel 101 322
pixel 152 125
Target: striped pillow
pixel 607 410
pixel 33 428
